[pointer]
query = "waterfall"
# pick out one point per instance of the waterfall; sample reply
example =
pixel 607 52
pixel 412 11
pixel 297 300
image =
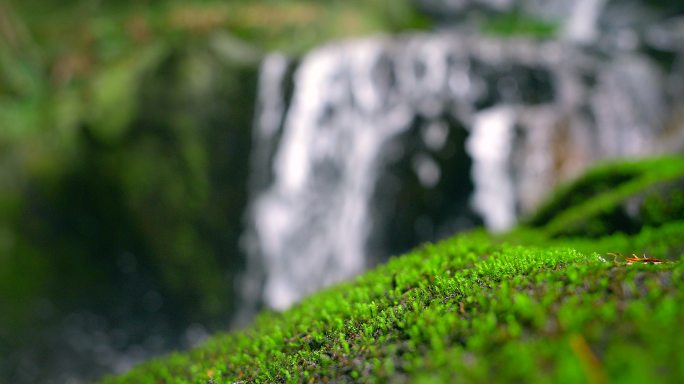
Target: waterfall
pixel 491 144
pixel 535 113
pixel 581 25
pixel 311 223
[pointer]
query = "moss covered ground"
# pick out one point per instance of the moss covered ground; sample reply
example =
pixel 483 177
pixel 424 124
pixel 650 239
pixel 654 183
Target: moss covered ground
pixel 535 305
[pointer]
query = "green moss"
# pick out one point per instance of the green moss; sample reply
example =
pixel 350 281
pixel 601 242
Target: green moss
pixel 616 197
pixel 517 23
pixel 519 308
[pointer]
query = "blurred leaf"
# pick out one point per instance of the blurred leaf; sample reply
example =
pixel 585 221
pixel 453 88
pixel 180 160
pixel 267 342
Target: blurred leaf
pixel 115 94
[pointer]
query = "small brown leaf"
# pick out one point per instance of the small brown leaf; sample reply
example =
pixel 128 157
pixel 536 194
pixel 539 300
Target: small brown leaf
pixel 644 260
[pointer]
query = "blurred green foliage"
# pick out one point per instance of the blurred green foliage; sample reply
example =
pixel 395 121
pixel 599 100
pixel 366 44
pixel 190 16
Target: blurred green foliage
pixel 125 130
pixel 517 23
pixel 156 168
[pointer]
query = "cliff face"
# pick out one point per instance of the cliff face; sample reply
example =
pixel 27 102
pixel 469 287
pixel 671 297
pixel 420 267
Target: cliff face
pixel 520 307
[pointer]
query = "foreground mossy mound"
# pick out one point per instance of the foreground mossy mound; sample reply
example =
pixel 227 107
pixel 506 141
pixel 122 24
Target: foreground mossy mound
pixel 625 197
pixel 526 307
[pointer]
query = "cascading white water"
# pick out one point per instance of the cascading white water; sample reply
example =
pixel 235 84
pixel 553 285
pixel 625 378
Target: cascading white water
pixel 534 119
pixel 491 143
pixel 581 25
pixel 311 223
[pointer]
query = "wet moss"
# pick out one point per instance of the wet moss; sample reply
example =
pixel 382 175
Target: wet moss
pixel 615 197
pixel 523 307
pixel 518 23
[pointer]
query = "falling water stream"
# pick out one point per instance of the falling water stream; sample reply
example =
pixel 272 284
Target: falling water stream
pixel 534 113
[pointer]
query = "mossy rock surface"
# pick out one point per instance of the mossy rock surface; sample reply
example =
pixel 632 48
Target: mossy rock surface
pixel 616 197
pixel 524 307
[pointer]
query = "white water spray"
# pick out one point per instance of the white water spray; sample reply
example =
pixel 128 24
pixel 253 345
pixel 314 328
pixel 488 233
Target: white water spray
pixel 533 121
